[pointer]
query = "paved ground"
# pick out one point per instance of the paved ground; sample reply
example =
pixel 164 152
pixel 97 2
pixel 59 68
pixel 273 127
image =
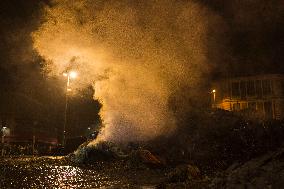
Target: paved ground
pixel 51 172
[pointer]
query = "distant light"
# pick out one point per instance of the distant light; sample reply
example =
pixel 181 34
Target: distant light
pixel 6 131
pixel 73 74
pixel 213 91
pixel 68 89
pixel 89 128
pixel 65 74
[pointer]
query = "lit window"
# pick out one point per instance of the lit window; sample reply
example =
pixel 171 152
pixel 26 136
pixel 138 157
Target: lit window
pixel 236 106
pixel 252 105
pixel 244 105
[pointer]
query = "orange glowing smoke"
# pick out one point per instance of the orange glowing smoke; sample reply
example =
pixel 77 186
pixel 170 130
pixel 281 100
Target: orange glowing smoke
pixel 136 54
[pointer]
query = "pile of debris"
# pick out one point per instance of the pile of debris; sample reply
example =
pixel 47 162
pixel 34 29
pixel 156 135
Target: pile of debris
pixel 105 151
pixel 141 161
pixel 266 171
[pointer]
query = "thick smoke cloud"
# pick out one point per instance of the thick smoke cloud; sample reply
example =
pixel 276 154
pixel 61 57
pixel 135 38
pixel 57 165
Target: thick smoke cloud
pixel 136 54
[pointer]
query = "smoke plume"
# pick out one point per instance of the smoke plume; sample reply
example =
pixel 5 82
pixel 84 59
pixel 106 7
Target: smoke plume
pixel 136 54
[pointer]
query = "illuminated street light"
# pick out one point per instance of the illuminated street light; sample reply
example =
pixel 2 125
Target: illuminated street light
pixel 73 74
pixel 214 96
pixel 69 75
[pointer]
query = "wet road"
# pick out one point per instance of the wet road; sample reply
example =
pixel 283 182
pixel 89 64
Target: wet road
pixel 48 172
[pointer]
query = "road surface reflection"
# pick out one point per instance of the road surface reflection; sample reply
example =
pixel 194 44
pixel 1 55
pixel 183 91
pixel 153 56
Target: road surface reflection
pixel 49 172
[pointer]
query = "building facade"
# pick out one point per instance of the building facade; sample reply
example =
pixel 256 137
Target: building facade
pixel 25 135
pixel 260 96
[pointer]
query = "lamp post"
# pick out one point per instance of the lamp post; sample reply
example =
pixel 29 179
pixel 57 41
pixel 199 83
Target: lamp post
pixel 214 98
pixel 70 75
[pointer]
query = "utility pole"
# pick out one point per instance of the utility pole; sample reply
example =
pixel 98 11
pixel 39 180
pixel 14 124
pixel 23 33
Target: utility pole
pixel 69 75
pixel 3 140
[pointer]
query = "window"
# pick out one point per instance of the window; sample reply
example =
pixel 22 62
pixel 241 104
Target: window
pixel 250 88
pixel 252 105
pixel 244 106
pixel 258 88
pixel 243 89
pixel 268 109
pixel 236 106
pixel 266 87
pixel 259 106
pixel 235 89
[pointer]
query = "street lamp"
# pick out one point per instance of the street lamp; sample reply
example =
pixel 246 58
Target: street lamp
pixel 73 74
pixel 70 75
pixel 214 97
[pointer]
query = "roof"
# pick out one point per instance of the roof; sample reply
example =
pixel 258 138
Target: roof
pixel 254 77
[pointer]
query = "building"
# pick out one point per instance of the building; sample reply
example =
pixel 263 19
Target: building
pixel 27 134
pixel 260 96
